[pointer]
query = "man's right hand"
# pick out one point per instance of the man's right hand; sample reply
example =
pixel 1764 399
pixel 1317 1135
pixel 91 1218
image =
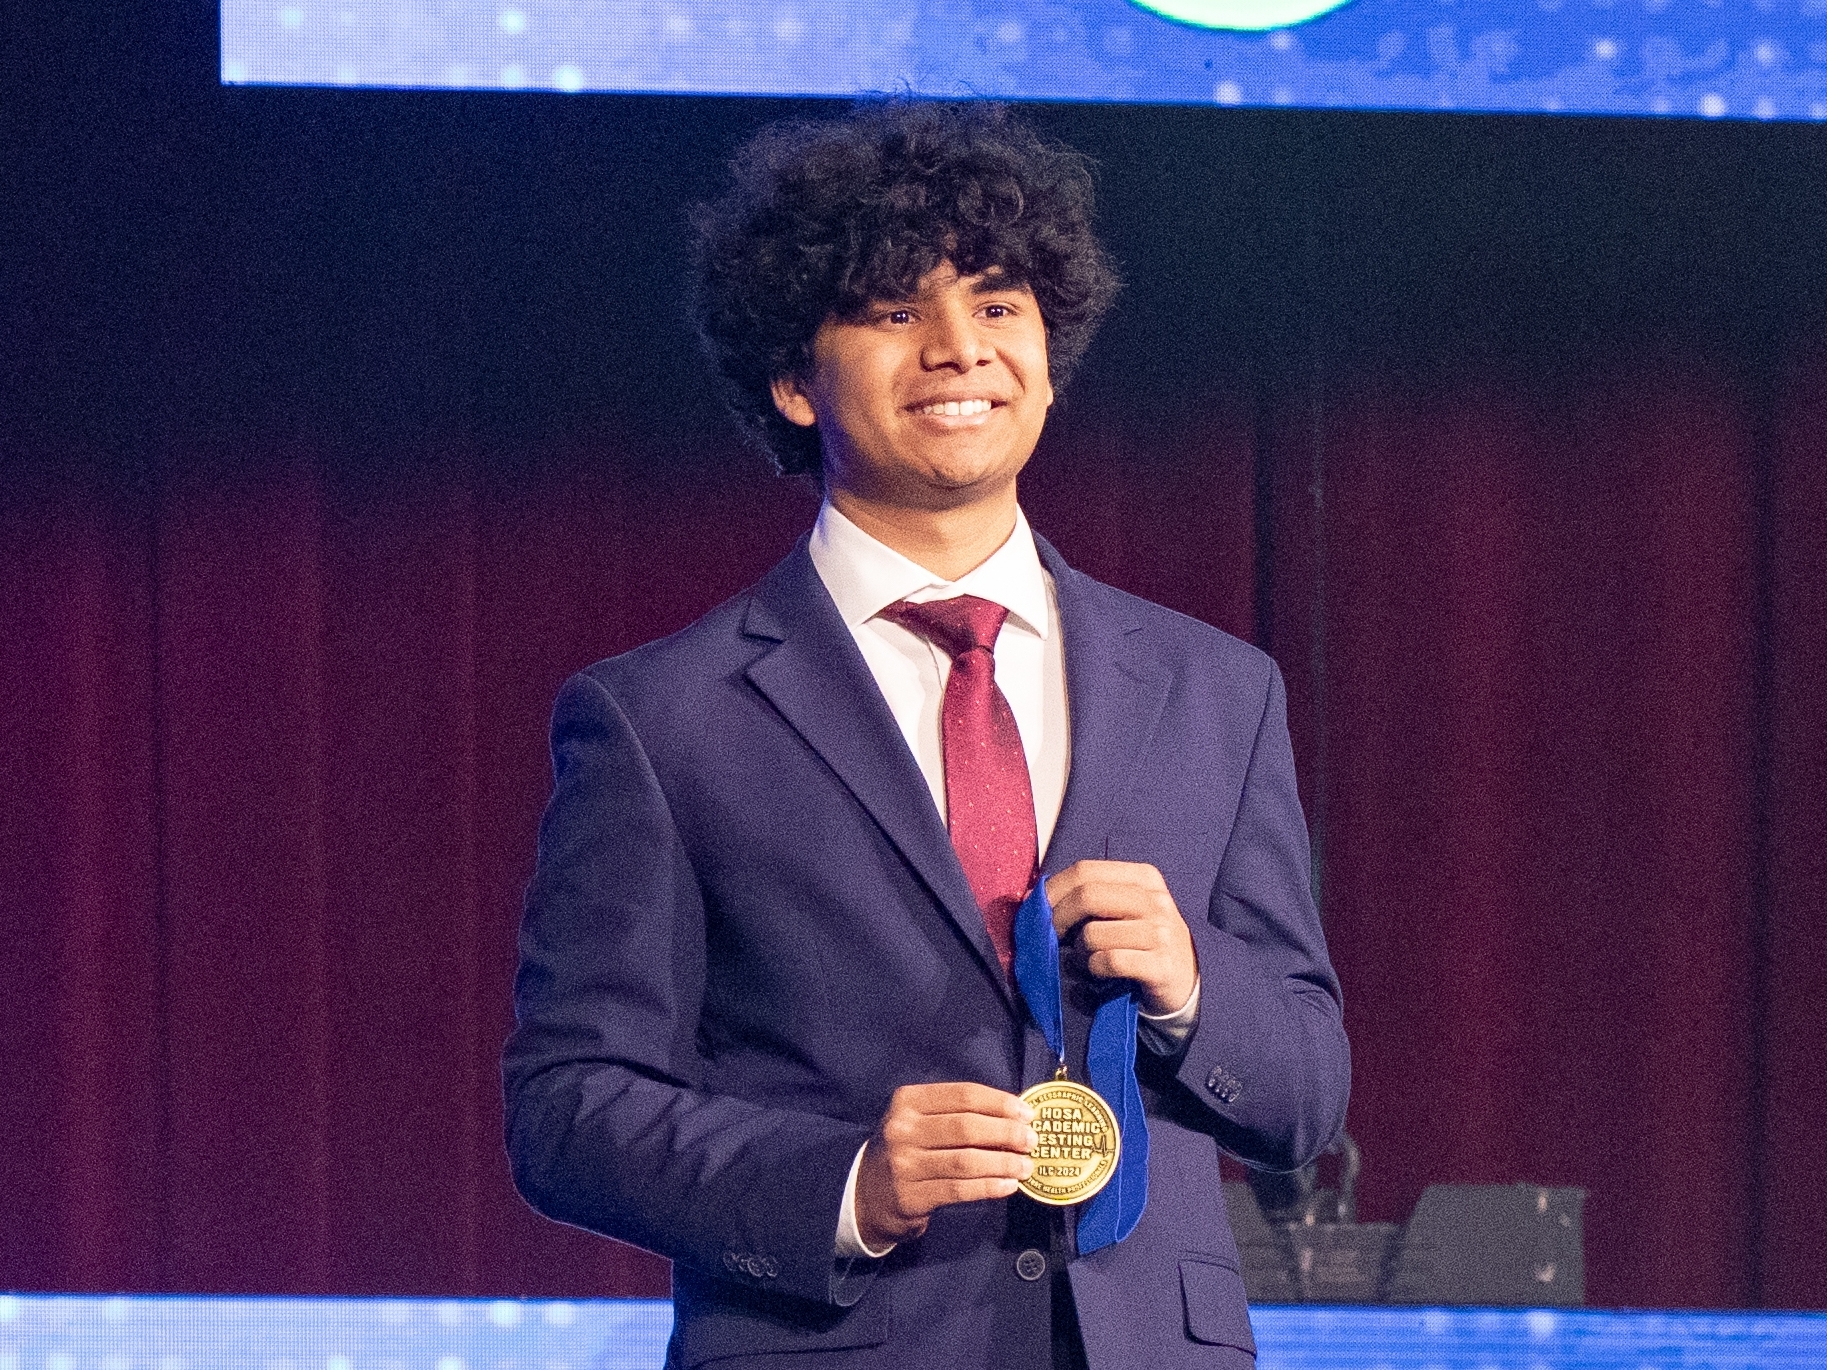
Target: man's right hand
pixel 938 1145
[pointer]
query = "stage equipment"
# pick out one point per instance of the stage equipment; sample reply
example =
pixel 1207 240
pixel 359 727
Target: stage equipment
pixel 1492 1244
pixel 1520 1244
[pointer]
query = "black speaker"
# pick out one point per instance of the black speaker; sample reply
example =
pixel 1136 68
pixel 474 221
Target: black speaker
pixel 1307 1261
pixel 1492 1244
pixel 1519 1244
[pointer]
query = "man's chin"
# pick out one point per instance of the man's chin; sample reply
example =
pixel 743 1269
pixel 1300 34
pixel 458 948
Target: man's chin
pixel 954 489
pixel 935 480
pixel 964 473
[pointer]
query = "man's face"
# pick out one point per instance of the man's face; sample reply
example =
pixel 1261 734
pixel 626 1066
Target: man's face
pixel 932 402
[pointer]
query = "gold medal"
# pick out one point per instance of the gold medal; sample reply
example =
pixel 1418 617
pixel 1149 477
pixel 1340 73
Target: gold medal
pixel 1079 1143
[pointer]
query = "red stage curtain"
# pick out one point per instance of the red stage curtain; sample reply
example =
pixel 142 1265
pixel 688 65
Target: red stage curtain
pixel 81 1070
pixel 1793 1121
pixel 1538 736
pixel 273 732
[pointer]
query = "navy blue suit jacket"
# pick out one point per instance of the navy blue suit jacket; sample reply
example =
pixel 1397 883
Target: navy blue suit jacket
pixel 747 927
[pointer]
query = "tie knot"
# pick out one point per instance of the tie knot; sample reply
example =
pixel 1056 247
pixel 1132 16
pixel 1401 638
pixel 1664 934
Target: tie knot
pixel 958 625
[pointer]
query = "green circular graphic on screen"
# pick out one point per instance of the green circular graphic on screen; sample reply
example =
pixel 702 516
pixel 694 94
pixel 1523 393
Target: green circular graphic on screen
pixel 1252 15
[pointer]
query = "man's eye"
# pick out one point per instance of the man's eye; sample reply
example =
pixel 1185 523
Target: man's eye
pixel 899 316
pixel 996 311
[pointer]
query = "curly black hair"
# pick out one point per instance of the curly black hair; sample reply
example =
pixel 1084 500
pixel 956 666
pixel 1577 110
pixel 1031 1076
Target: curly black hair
pixel 828 216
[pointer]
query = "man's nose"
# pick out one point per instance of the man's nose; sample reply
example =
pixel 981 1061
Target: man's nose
pixel 953 340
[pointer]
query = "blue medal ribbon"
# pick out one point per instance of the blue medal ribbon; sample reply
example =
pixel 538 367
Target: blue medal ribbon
pixel 1110 1060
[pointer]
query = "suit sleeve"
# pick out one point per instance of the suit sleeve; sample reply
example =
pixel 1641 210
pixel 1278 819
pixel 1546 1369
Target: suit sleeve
pixel 608 1125
pixel 1269 1056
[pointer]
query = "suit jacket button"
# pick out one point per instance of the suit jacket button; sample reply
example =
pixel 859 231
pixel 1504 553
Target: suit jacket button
pixel 770 1267
pixel 731 1261
pixel 1030 1265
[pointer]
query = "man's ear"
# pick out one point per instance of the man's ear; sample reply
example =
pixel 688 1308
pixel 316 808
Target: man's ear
pixel 792 403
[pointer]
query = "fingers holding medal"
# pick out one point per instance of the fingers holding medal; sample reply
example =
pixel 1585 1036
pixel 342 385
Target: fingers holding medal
pixel 1120 920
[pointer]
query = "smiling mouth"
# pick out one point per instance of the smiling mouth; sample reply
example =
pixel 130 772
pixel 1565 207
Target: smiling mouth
pixel 956 408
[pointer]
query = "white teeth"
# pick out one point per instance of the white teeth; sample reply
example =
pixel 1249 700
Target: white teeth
pixel 956 408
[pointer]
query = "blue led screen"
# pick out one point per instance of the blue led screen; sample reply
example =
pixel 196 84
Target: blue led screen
pixel 1753 59
pixel 61 1332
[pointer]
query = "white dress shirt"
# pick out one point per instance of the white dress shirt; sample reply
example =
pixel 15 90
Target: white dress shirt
pixel 863 577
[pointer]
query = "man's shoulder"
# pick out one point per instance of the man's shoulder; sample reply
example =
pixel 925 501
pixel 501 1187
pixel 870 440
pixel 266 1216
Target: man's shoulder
pixel 1178 640
pixel 707 650
pixel 675 673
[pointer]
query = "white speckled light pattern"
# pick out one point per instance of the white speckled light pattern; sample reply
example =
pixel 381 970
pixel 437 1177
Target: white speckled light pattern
pixel 1705 59
pixel 90 1332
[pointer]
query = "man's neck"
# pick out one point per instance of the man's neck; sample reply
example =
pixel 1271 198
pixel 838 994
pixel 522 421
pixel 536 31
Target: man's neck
pixel 950 543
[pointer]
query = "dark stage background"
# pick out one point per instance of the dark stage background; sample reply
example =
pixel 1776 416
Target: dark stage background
pixel 340 427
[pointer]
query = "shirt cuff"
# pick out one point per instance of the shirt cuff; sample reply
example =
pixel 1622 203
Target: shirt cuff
pixel 850 1245
pixel 1163 1033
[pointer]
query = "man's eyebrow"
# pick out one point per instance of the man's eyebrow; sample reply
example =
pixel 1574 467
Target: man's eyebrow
pixel 987 282
pixel 993 280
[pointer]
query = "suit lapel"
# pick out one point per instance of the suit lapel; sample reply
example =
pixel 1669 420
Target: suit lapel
pixel 817 679
pixel 1115 693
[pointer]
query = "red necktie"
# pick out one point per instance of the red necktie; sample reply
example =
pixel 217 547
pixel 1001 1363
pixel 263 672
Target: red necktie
pixel 989 801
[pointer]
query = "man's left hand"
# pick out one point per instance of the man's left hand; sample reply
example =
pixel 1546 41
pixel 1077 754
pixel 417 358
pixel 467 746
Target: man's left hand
pixel 1127 927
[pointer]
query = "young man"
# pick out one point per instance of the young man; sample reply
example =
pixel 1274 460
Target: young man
pixel 767 1024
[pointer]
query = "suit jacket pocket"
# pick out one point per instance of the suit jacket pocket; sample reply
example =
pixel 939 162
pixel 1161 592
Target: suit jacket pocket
pixel 1216 1313
pixel 747 1323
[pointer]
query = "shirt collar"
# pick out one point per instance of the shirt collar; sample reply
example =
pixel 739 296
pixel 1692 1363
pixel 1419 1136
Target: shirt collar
pixel 865 576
